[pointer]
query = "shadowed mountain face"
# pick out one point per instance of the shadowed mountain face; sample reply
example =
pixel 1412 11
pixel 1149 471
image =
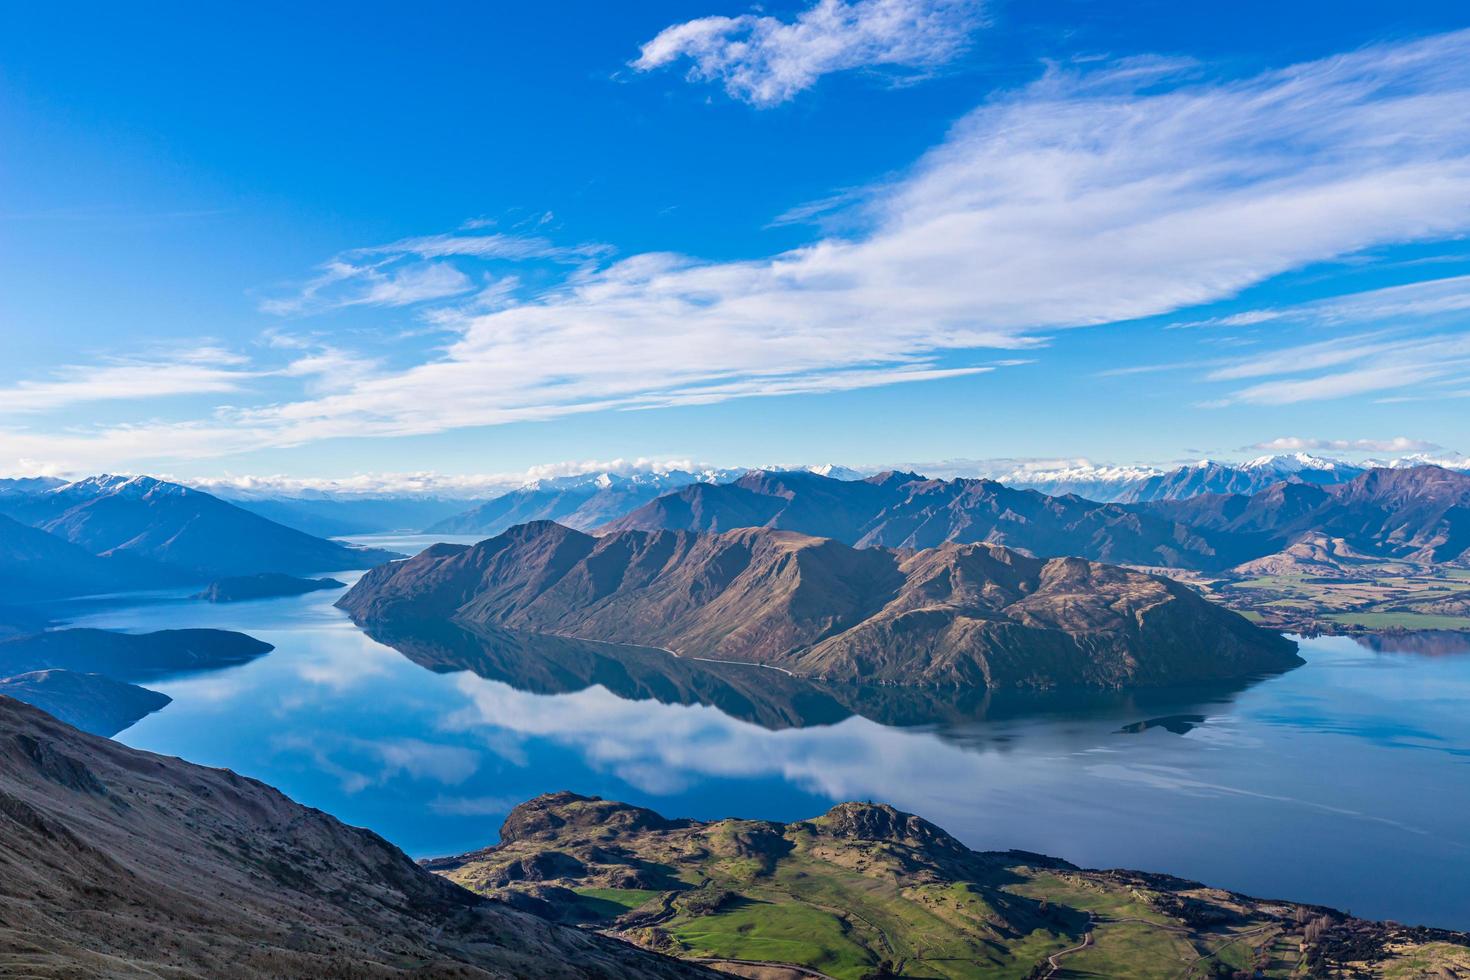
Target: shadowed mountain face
pixel 188 530
pixel 94 703
pixel 1420 514
pixel 866 890
pixel 35 565
pixel 128 656
pixel 957 615
pixel 120 863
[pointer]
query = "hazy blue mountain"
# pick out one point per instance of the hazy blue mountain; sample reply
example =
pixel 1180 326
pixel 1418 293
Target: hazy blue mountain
pixel 582 501
pixel 36 565
pixel 141 517
pixel 1251 477
pixel 128 656
pixel 91 702
pixel 28 485
pixel 337 516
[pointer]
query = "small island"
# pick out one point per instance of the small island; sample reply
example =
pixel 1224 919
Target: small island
pixel 266 585
pixel 129 656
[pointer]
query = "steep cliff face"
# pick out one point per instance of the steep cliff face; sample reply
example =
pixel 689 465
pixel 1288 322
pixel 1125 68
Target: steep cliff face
pixel 120 863
pixel 970 615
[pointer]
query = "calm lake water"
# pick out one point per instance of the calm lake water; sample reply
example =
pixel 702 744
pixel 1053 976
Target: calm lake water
pixel 1344 782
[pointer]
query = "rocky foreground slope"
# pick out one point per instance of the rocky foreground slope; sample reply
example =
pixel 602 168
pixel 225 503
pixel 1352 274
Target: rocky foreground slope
pixel 866 891
pixel 971 615
pixel 119 863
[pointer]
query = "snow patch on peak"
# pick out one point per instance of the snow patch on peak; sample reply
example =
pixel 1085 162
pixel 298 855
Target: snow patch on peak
pixel 1293 463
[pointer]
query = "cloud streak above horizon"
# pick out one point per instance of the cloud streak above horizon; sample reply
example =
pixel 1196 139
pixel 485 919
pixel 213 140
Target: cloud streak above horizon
pixel 1086 198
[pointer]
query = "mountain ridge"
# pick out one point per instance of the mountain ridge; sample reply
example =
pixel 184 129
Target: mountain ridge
pixel 186 530
pixel 959 615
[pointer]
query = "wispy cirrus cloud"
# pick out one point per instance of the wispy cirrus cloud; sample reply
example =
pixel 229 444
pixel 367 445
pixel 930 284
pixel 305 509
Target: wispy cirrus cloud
pixel 764 60
pixel 415 270
pixel 202 370
pixel 1408 336
pixel 1416 300
pixel 1081 199
pixel 1360 364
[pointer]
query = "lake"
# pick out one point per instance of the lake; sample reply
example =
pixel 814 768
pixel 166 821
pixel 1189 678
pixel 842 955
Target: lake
pixel 1344 782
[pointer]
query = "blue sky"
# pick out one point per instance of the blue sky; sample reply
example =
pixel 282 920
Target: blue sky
pixel 474 238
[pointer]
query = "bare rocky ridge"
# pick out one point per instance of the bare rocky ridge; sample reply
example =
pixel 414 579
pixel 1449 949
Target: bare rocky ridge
pixel 1419 514
pixel 120 863
pixel 964 615
pixel 905 510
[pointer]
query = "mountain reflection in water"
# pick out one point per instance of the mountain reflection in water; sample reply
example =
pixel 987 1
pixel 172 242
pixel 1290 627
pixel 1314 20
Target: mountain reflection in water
pixel 547 664
pixel 1342 782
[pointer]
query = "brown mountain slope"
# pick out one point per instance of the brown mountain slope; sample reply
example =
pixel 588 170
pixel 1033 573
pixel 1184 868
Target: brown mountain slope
pixel 1420 514
pixel 120 863
pixel 972 615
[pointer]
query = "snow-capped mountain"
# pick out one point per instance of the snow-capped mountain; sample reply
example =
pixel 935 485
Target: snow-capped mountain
pixel 1305 465
pixel 1447 460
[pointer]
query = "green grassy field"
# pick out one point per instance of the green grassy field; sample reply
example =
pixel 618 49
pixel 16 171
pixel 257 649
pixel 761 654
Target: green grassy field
pixel 1375 597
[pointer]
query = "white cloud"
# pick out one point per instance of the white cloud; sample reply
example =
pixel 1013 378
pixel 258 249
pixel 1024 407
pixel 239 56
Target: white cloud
pixel 1360 364
pixel 1413 301
pixel 415 270
pixel 1078 200
pixel 443 484
pixel 205 370
pixel 765 61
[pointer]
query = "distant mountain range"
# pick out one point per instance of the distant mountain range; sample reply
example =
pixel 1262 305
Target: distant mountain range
pixel 341 515
pixel 1420 514
pixel 1132 484
pixel 108 532
pixel 975 615
pixel 580 502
